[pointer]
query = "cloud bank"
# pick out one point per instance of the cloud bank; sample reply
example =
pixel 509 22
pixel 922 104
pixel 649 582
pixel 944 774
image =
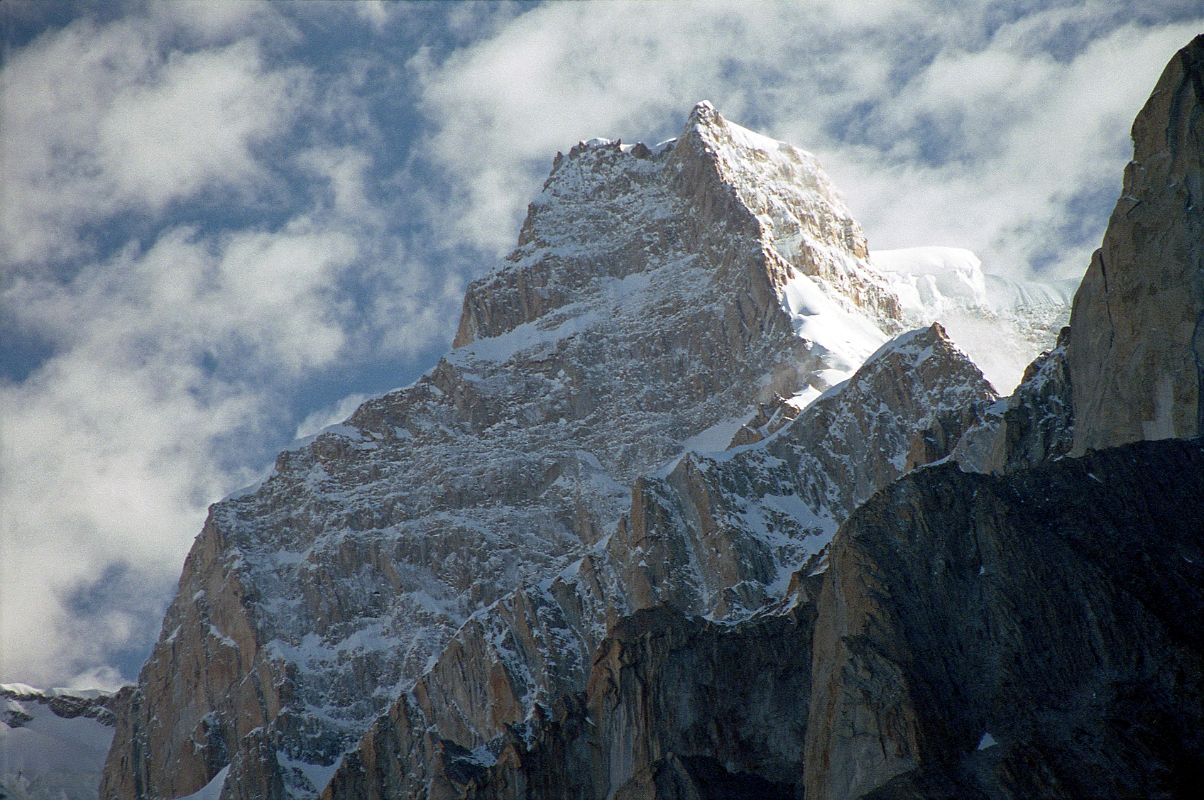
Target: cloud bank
pixel 1001 127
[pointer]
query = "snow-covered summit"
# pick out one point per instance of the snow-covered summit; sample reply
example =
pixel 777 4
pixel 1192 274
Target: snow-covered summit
pixel 654 295
pixel 714 181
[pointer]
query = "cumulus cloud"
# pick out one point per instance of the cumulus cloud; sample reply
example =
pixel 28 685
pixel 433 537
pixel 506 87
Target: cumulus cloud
pixel 102 120
pixel 1031 155
pixel 185 316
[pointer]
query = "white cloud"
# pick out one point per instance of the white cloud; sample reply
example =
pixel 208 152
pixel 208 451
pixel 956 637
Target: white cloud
pixel 931 118
pixel 330 415
pixel 104 678
pixel 192 125
pixel 1028 135
pixel 175 358
pixel 101 120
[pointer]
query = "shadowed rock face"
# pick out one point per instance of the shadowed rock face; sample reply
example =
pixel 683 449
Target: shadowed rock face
pixel 1137 327
pixel 1054 609
pixel 664 714
pixel 1026 635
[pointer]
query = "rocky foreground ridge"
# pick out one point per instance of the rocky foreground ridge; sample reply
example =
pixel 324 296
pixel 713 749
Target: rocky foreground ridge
pixel 684 515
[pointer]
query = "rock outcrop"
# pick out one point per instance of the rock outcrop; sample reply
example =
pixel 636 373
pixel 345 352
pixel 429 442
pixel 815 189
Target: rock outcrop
pixel 1136 349
pixel 1026 635
pixel 1034 425
pixel 664 715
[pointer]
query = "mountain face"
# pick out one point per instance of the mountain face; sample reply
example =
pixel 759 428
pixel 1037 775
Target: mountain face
pixel 655 299
pixel 688 513
pixel 715 535
pixel 53 742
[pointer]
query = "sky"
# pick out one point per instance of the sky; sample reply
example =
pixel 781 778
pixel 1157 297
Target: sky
pixel 224 225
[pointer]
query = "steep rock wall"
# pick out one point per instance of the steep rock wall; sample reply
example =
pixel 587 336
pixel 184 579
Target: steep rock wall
pixel 1137 327
pixel 1030 635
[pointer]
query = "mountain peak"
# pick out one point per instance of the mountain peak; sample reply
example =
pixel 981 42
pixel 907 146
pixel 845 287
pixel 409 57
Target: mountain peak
pixel 703 113
pixel 716 183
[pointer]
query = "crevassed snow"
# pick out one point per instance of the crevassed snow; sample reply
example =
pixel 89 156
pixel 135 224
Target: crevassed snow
pixel 26 689
pixel 1001 323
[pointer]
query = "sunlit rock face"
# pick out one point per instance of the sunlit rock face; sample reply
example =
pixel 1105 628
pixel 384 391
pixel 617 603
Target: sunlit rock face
pixel 1137 331
pixel 715 535
pixel 1021 633
pixel 656 296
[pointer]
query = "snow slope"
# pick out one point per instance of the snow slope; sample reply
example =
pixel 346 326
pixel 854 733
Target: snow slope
pixel 53 742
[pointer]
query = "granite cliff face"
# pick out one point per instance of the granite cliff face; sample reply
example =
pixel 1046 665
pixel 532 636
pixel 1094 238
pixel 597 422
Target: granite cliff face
pixel 685 515
pixel 1137 331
